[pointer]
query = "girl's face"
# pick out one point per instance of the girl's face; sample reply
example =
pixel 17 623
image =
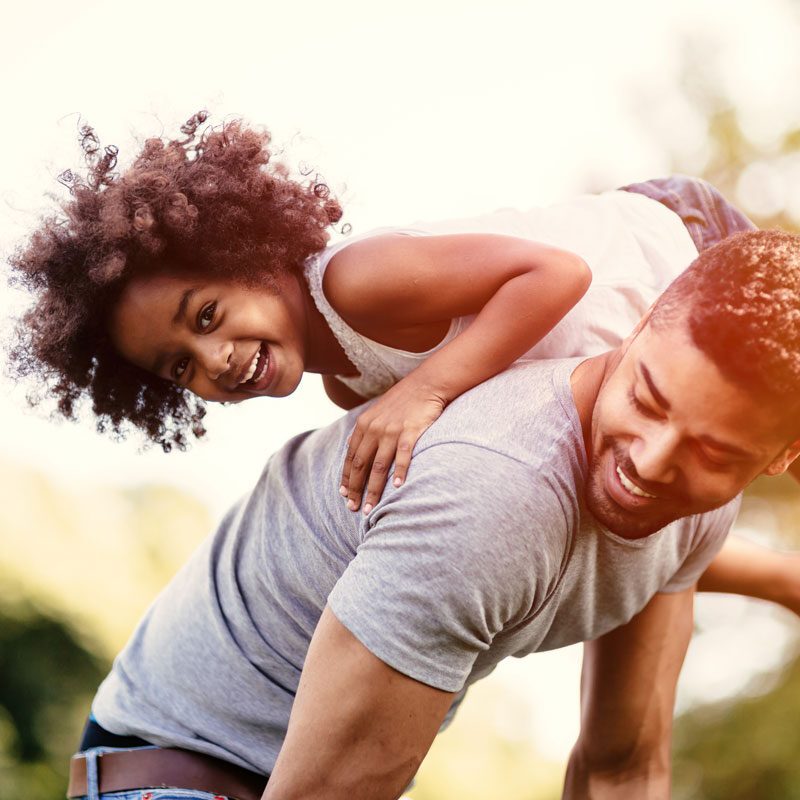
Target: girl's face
pixel 223 341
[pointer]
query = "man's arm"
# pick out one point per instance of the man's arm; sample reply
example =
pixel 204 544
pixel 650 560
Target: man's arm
pixel 627 700
pixel 359 729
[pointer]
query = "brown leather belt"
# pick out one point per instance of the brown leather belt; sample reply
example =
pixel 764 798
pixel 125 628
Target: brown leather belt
pixel 158 768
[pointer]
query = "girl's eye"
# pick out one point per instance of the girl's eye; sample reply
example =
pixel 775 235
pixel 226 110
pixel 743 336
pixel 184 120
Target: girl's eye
pixel 180 368
pixel 206 316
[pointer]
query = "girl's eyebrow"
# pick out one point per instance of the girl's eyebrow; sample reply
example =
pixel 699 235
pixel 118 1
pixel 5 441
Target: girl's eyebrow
pixel 180 314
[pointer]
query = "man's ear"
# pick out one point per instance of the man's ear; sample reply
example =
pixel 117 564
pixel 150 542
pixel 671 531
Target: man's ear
pixel 784 459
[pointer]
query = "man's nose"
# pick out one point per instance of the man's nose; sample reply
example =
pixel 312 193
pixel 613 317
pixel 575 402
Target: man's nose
pixel 654 456
pixel 214 357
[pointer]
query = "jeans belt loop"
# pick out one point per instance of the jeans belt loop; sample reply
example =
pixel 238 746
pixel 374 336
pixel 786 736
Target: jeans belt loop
pixel 92 775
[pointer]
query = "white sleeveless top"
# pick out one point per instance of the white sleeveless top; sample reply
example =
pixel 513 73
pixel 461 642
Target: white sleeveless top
pixel 635 247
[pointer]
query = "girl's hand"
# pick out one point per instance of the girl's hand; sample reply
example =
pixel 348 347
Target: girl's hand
pixel 387 431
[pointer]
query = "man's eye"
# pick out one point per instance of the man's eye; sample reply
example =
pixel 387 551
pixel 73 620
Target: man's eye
pixel 206 316
pixel 180 368
pixel 715 461
pixel 641 407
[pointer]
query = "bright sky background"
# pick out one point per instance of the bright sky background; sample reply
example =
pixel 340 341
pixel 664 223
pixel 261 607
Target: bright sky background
pixel 425 109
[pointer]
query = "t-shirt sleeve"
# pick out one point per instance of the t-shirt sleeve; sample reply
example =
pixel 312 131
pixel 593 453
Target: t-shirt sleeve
pixel 468 546
pixel 709 537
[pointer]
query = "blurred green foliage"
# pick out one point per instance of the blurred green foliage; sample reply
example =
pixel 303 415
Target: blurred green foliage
pixel 77 570
pixel 47 679
pixel 761 177
pixel 745 750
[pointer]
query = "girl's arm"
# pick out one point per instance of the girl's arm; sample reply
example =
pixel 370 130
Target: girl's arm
pixel 743 567
pixel 342 395
pixel 398 289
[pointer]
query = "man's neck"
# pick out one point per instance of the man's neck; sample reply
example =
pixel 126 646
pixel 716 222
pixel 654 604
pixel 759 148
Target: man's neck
pixel 585 382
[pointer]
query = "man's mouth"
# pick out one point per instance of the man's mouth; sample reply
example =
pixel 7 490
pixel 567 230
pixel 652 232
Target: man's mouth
pixel 623 491
pixel 631 486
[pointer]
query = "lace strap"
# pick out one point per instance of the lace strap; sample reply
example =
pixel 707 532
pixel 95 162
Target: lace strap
pixel 375 377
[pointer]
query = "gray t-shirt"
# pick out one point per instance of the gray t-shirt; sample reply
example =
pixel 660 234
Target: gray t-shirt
pixel 485 552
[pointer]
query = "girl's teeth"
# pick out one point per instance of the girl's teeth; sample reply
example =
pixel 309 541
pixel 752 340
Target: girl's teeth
pixel 264 368
pixel 252 368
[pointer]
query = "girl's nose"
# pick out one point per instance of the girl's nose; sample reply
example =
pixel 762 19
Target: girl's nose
pixel 214 357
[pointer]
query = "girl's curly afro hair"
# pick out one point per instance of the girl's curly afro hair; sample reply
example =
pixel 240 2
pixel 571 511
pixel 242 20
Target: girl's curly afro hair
pixel 213 203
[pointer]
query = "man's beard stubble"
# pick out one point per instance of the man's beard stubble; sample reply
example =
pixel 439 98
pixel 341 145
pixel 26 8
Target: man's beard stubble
pixel 624 523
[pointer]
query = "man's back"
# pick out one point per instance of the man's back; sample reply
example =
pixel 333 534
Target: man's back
pixel 483 553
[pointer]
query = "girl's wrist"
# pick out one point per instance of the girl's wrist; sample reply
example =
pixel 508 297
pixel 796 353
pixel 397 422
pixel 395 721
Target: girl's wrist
pixel 429 384
pixel 451 382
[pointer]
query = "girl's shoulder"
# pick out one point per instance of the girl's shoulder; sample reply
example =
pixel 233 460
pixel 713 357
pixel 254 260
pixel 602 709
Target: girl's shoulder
pixel 352 272
pixel 357 246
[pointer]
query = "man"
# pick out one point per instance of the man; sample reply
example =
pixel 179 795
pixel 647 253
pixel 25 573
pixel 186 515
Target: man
pixel 559 502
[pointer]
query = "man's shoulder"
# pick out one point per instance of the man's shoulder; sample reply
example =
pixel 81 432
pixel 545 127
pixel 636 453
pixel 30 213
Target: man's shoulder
pixel 716 522
pixel 525 413
pixel 467 498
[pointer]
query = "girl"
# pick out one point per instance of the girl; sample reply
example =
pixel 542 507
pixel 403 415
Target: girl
pixel 202 273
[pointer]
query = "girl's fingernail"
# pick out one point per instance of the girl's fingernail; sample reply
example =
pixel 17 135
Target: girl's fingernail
pixel 343 490
pixel 351 504
pixel 367 508
pixel 398 481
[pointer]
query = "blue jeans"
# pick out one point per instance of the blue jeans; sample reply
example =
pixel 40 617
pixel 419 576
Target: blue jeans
pixel 707 215
pixel 134 794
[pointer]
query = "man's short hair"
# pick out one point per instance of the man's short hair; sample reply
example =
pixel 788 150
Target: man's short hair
pixel 741 301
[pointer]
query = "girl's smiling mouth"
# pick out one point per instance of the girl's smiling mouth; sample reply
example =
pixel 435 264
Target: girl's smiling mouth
pixel 256 365
pixel 260 371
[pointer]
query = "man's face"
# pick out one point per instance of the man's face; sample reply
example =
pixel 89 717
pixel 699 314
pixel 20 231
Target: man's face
pixel 671 437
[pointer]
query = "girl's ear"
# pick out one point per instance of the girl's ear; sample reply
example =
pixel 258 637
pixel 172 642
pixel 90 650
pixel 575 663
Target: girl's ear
pixel 784 460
